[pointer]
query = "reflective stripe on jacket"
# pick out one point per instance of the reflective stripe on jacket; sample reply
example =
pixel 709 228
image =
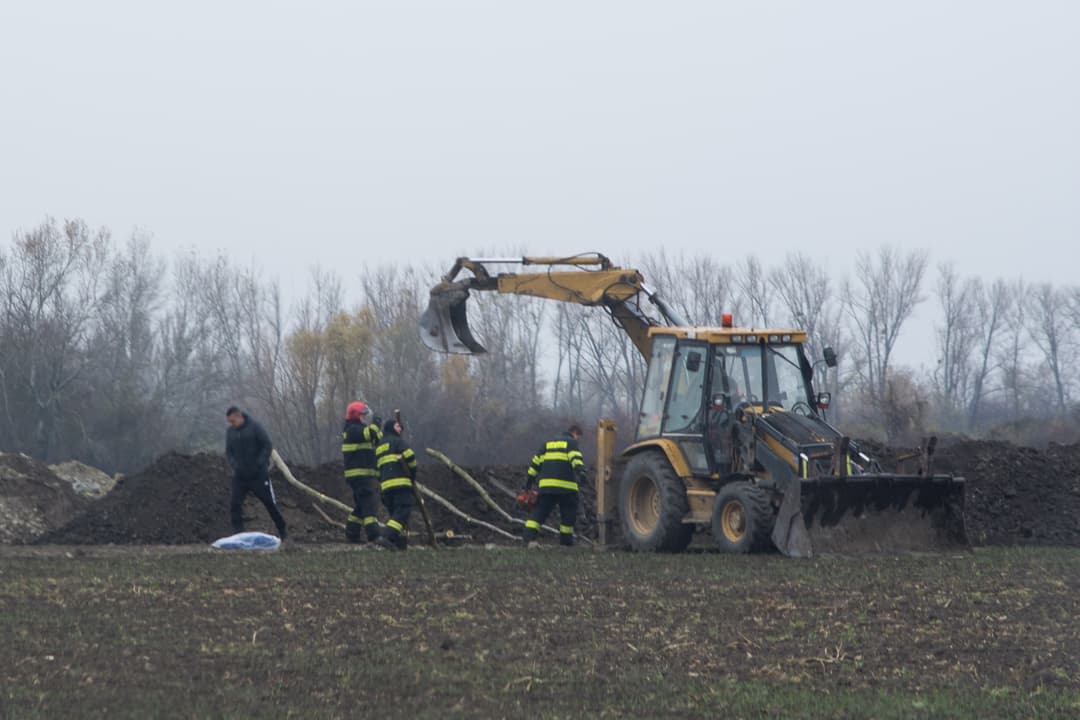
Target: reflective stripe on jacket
pixel 358 443
pixel 559 465
pixel 396 463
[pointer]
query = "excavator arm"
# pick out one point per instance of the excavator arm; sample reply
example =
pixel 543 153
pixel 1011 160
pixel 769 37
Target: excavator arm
pixel 444 326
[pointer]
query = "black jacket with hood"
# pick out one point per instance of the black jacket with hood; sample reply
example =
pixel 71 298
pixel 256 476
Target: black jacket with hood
pixel 248 449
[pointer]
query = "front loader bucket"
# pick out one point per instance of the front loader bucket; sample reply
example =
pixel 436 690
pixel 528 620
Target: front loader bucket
pixel 870 514
pixel 444 326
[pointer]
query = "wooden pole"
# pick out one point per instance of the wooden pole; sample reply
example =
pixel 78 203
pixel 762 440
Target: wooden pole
pixel 301 486
pixel 326 517
pixel 464 516
pixel 464 475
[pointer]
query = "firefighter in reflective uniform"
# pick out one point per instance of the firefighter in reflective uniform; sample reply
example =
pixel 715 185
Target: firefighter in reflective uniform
pixel 557 470
pixel 358 442
pixel 397 469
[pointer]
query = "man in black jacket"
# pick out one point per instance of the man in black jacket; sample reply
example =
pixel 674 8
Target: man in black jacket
pixel 559 467
pixel 358 441
pixel 397 469
pixel 248 448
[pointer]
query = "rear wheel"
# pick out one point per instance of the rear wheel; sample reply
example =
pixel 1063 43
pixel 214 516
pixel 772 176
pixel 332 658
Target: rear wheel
pixel 742 518
pixel 652 504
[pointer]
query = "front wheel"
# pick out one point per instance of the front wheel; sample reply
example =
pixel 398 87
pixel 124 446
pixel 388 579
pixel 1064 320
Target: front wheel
pixel 652 505
pixel 742 518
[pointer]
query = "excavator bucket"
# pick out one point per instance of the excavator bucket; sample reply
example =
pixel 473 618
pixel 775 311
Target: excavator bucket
pixel 871 513
pixel 444 326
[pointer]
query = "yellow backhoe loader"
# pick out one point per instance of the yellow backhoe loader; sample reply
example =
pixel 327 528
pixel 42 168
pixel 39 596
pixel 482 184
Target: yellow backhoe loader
pixel 731 435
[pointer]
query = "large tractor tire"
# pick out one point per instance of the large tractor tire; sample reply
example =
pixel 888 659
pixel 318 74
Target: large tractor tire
pixel 743 518
pixel 652 504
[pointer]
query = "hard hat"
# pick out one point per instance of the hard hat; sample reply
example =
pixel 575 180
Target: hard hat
pixel 356 410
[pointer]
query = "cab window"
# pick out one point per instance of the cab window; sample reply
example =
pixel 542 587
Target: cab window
pixel 687 389
pixel 656 384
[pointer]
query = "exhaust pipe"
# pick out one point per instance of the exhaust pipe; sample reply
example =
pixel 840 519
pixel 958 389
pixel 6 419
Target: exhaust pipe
pixel 444 326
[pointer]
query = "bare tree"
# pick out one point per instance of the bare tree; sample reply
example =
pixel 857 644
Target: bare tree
pixel 956 337
pixel 804 291
pixel 752 281
pixel 298 392
pixel 122 413
pixel 1052 334
pixel 1014 350
pixel 697 287
pixel 54 287
pixel 991 307
pixel 882 296
pixel 191 373
pixel 567 391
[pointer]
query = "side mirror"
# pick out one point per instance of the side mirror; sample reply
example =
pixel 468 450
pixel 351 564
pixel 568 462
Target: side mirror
pixel 823 400
pixel 830 357
pixel 693 361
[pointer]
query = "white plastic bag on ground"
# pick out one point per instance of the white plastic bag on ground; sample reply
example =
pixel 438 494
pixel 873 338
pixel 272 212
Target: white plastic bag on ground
pixel 248 541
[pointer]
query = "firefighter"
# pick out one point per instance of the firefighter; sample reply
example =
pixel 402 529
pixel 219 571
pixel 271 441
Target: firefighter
pixel 559 467
pixel 396 463
pixel 359 439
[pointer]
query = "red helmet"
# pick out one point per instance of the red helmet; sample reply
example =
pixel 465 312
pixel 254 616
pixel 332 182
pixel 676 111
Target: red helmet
pixel 356 410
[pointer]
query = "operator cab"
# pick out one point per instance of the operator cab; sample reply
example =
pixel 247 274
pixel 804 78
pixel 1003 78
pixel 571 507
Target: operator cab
pixel 702 383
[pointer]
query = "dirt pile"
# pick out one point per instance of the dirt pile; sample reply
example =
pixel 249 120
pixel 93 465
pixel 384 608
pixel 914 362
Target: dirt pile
pixel 185 499
pixel 181 499
pixel 85 480
pixel 33 500
pixel 1017 495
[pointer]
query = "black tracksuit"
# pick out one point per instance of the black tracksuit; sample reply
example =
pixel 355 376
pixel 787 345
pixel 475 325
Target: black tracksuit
pixel 358 442
pixel 559 467
pixel 397 469
pixel 248 449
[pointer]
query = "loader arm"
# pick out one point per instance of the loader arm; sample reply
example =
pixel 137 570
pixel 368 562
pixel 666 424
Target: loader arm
pixel 596 282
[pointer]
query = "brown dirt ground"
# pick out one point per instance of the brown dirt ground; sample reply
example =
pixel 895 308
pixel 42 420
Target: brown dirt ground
pixel 327 631
pixel 1015 496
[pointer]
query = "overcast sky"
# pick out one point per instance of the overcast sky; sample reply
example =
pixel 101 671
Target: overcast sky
pixel 345 133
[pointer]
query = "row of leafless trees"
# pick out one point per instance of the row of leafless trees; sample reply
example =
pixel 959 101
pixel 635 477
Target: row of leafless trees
pixel 113 354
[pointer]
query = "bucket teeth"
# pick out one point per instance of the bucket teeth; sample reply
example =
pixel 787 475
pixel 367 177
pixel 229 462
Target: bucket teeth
pixel 860 514
pixel 444 326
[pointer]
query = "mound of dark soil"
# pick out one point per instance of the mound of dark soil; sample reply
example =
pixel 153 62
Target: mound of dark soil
pixel 1017 495
pixel 185 499
pixel 33 500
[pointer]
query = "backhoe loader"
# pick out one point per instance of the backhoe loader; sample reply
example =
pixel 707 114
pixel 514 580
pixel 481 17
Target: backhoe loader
pixel 731 435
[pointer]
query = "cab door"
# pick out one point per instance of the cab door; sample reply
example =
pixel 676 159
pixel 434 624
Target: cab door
pixel 684 415
pixel 734 378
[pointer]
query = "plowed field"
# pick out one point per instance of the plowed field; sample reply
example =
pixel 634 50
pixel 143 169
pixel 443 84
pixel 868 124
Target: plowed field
pixel 340 632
